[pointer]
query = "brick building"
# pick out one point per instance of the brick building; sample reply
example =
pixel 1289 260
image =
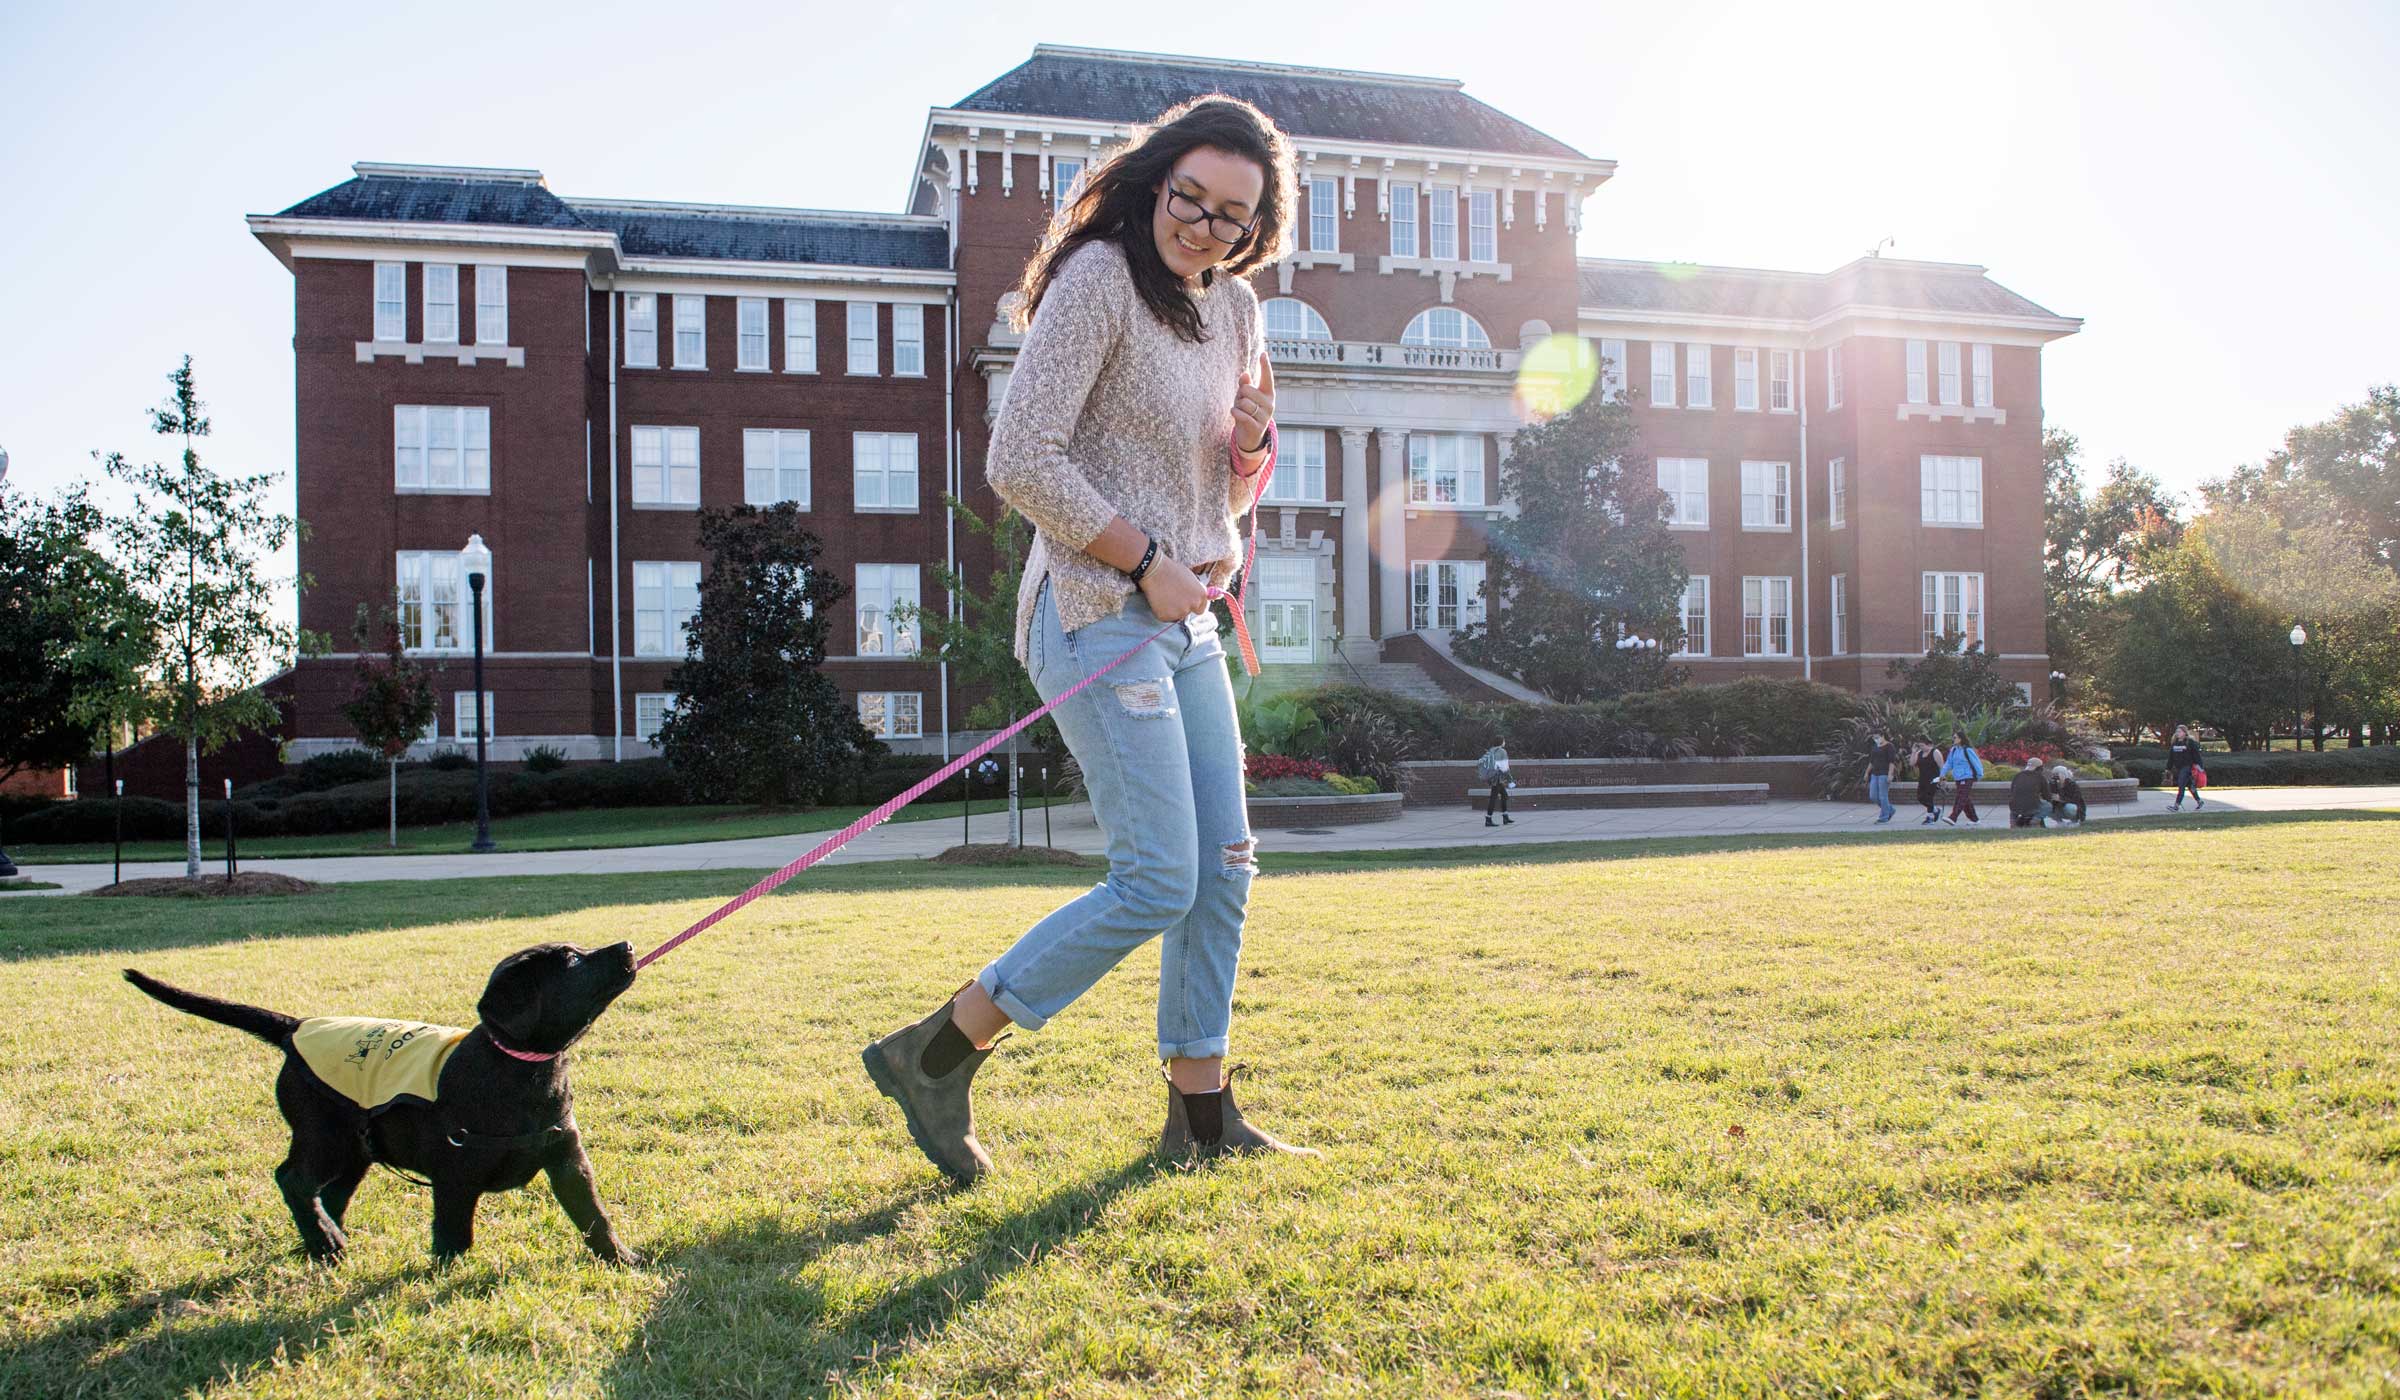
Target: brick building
pixel 1855 455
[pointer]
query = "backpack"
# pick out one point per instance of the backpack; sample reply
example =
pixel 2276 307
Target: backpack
pixel 1487 768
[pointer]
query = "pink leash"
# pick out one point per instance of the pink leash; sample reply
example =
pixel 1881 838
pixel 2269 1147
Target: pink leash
pixel 922 786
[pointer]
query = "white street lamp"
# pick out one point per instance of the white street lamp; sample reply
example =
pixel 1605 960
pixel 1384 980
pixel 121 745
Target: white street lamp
pixel 476 559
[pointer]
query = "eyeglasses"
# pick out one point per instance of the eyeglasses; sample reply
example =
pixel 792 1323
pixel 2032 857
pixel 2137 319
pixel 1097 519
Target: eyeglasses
pixel 1184 209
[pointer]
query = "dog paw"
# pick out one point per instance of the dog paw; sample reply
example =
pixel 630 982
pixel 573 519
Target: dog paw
pixel 611 1252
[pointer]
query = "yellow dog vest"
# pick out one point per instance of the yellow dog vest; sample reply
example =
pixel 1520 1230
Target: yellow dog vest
pixel 372 1062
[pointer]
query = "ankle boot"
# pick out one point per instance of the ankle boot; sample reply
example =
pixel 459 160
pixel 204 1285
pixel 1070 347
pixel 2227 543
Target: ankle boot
pixel 1176 1143
pixel 940 1117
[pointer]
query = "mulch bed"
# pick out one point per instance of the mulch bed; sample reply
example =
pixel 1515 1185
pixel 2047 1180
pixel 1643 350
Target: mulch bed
pixel 247 882
pixel 1006 855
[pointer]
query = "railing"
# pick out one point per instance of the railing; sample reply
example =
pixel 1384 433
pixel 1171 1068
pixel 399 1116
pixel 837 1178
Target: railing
pixel 1378 354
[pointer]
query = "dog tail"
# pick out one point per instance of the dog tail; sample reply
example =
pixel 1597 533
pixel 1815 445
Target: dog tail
pixel 272 1027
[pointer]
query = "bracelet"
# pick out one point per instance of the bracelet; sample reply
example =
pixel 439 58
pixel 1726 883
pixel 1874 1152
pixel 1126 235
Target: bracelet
pixel 1265 445
pixel 1149 557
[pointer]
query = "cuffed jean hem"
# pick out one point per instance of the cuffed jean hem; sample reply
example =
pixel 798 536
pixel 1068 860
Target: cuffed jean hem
pixel 1019 1014
pixel 1209 1049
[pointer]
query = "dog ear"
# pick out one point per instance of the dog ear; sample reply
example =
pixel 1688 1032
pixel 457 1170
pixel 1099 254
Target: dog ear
pixel 512 1001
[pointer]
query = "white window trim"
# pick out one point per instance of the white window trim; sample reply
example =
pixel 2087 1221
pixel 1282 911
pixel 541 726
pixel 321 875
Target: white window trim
pixel 1310 321
pixel 775 441
pixel 1699 376
pixel 1468 576
pixel 1297 467
pixel 698 302
pixel 1837 493
pixel 1982 376
pixel 858 465
pixel 1472 335
pixel 1765 631
pixel 1333 213
pixel 677 644
pixel 800 311
pixel 1950 375
pixel 1833 377
pixel 1765 472
pixel 1982 614
pixel 1612 369
pixel 1684 613
pixel 1490 225
pixel 886 592
pixel 1787 362
pixel 1920 380
pixel 395 329
pixel 421 643
pixel 1670 356
pixel 891 709
pixel 1404 195
pixel 490 277
pixel 851 338
pixel 1682 488
pixel 462 715
pixel 648 300
pixel 1839 597
pixel 905 315
pixel 466 416
pixel 1927 466
pixel 1440 199
pixel 1742 353
pixel 666 706
pixel 1470 468
pixel 742 307
pixel 428 270
pixel 668 436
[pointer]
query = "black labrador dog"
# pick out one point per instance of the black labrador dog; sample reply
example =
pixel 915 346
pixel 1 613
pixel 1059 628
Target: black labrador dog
pixel 492 1107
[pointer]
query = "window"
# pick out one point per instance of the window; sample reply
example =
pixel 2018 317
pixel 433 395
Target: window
pixel 1949 371
pixel 641 330
pixel 1697 389
pixel 1954 604
pixel 650 710
pixel 883 470
pixel 441 448
pixel 1446 594
pixel 432 587
pixel 1662 373
pixel 881 588
pixel 799 336
pixel 908 340
pixel 862 337
pixel 1404 221
pixel 462 705
pixel 1953 490
pixel 1837 495
pixel 750 333
pixel 441 303
pixel 1612 370
pixel 691 332
pixel 774 466
pixel 1841 614
pixel 1767 616
pixel 1446 326
pixel 666 597
pixel 1065 173
pixel 1324 221
pixel 491 305
pixel 391 301
pixel 1745 379
pixel 1685 480
pixel 1916 371
pixel 1441 223
pixel 1445 469
pixel 1483 234
pixel 1779 381
pixel 1833 377
pixel 1766 495
pixel 1299 466
pixel 1289 318
pixel 666 466
pixel 892 714
pixel 1695 616
pixel 1983 376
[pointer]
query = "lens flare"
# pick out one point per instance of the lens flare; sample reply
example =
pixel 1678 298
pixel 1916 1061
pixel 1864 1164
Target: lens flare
pixel 1556 375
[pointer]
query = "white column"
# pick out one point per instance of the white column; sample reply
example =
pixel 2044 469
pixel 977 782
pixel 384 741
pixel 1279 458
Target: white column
pixel 1357 641
pixel 1391 562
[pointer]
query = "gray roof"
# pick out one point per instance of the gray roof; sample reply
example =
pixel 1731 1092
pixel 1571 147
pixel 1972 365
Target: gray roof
pixel 1378 108
pixel 642 230
pixel 1687 288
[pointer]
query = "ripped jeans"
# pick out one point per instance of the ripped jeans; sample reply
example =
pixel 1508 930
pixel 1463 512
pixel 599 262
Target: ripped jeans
pixel 1161 754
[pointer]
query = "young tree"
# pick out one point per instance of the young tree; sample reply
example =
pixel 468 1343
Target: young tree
pixel 754 718
pixel 193 546
pixel 391 697
pixel 1586 560
pixel 72 638
pixel 980 643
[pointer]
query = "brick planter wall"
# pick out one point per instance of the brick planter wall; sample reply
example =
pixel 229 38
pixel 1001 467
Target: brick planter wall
pixel 2097 792
pixel 1444 782
pixel 1283 813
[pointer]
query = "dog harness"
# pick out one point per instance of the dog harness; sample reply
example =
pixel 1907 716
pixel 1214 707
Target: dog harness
pixel 376 1063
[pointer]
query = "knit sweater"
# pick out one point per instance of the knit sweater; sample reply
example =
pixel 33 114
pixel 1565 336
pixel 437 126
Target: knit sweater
pixel 1109 413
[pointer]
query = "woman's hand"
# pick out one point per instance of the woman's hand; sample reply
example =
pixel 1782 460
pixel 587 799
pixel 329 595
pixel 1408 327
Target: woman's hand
pixel 1254 411
pixel 1174 592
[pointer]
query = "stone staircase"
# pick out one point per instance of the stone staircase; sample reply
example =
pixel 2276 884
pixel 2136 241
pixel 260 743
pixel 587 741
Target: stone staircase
pixel 1398 677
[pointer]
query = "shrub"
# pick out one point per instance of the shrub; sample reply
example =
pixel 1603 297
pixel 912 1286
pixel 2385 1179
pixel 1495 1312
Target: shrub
pixel 1455 729
pixel 1367 743
pixel 1267 767
pixel 1722 738
pixel 2333 768
pixel 542 758
pixel 1595 730
pixel 1780 716
pixel 94 819
pixel 1281 724
pixel 2018 755
pixel 448 760
pixel 1354 787
pixel 1295 787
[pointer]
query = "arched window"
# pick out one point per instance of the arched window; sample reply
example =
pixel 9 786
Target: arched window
pixel 1447 327
pixel 1289 318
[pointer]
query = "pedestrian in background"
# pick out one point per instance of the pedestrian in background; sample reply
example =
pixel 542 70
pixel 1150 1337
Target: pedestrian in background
pixel 2183 764
pixel 1928 760
pixel 1493 769
pixel 1879 776
pixel 1963 767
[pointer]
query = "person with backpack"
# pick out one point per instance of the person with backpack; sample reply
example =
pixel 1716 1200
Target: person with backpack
pixel 1963 767
pixel 1492 769
pixel 1881 759
pixel 2183 764
pixel 1928 760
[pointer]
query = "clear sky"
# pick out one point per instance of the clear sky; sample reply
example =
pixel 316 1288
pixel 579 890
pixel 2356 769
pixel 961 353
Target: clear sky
pixel 2208 185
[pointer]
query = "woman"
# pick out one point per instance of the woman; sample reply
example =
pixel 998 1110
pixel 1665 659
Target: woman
pixel 2183 757
pixel 1963 767
pixel 1137 418
pixel 1492 768
pixel 1929 773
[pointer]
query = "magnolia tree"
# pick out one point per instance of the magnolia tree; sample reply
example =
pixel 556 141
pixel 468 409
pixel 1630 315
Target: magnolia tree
pixel 391 698
pixel 192 545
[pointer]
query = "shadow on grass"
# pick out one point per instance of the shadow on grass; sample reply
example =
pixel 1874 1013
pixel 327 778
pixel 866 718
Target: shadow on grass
pixel 746 1315
pixel 59 926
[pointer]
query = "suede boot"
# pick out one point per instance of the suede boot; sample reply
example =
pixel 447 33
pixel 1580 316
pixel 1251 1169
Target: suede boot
pixel 940 1118
pixel 1176 1143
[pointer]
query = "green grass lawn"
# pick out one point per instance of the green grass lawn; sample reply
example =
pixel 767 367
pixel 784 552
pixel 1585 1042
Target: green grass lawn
pixel 2116 1112
pixel 593 829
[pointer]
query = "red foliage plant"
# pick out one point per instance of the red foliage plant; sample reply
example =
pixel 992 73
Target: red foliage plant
pixel 1266 767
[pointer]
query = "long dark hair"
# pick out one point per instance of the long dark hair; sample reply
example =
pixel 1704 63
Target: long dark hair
pixel 1120 197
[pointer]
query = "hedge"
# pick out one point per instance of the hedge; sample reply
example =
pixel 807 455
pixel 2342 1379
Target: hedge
pixel 1764 716
pixel 2371 766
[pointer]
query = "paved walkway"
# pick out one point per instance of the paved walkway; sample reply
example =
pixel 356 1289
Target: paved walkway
pixel 1073 829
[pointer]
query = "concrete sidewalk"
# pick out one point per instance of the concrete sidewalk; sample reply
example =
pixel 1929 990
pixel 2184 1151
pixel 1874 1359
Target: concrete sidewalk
pixel 1072 828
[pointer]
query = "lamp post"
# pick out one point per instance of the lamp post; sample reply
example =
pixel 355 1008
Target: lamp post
pixel 477 561
pixel 2058 685
pixel 2299 688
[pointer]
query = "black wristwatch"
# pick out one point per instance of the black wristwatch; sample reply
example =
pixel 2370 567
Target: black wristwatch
pixel 1149 557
